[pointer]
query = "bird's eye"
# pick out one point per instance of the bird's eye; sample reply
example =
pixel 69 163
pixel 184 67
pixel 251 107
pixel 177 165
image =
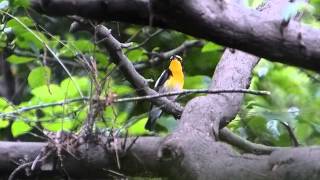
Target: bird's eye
pixel 176 57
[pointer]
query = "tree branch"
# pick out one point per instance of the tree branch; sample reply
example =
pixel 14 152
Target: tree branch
pixel 224 22
pixel 245 145
pixel 141 159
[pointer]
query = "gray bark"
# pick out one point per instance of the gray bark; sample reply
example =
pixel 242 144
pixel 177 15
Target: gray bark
pixel 224 22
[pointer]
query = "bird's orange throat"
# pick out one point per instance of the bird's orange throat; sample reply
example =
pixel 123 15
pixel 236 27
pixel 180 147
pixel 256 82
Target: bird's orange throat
pixel 176 80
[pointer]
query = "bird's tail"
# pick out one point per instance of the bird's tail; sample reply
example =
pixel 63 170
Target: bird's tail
pixel 154 114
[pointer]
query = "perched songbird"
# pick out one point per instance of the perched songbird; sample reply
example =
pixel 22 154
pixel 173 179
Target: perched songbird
pixel 171 79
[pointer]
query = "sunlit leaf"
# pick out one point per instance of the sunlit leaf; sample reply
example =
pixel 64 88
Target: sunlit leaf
pixel 21 3
pixel 138 127
pixel 58 125
pixel 19 127
pixel 210 47
pixel 14 59
pixel 48 93
pixel 39 76
pixel 4 123
pixel 69 88
pixel 17 27
pixel 3 102
pixel 122 89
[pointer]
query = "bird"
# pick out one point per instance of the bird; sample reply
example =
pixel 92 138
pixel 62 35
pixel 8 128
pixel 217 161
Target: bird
pixel 170 80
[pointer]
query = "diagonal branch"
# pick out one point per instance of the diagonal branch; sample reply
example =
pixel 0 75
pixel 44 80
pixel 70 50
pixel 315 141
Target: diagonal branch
pixel 129 72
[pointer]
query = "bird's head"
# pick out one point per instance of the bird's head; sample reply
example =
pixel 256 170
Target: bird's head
pixel 175 63
pixel 176 57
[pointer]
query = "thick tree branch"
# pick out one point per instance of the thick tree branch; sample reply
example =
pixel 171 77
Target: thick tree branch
pixel 143 156
pixel 224 22
pixel 91 160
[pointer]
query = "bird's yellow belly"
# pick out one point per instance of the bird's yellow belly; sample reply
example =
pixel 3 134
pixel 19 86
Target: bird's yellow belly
pixel 174 84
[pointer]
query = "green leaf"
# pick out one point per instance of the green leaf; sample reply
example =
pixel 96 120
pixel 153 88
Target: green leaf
pixel 72 47
pixel 101 58
pixel 17 27
pixel 197 82
pixel 31 40
pixel 4 123
pixel 26 38
pixel 3 102
pixel 122 89
pixel 84 45
pixel 136 55
pixel 210 47
pixel 19 127
pixel 21 3
pixel 70 89
pixel 58 125
pixel 14 59
pixel 49 93
pixel 39 76
pixel 303 131
pixel 138 127
pixel 54 42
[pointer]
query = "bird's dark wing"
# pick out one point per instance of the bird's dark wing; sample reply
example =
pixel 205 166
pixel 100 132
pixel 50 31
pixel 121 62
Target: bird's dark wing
pixel 162 79
pixel 155 112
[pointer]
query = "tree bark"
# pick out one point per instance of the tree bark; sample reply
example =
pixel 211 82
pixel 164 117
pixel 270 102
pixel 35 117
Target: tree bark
pixel 218 161
pixel 224 22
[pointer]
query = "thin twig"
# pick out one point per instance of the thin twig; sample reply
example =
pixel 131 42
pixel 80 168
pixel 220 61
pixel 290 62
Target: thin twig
pixel 40 106
pixel 226 135
pixel 146 40
pixel 193 91
pixel 22 166
pixel 132 143
pixel 137 98
pixel 292 136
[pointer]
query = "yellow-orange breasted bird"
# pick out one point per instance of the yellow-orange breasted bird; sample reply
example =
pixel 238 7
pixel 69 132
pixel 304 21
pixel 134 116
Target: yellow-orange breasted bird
pixel 171 79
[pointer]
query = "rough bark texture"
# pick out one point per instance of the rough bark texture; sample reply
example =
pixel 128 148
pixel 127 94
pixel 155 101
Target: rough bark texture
pixel 192 150
pixel 224 22
pixel 143 160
